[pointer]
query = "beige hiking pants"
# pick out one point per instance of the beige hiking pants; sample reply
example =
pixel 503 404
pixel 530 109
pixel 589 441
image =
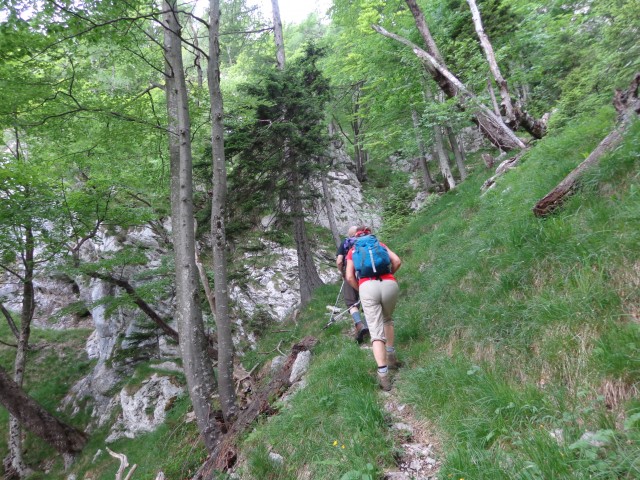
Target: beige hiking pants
pixel 378 298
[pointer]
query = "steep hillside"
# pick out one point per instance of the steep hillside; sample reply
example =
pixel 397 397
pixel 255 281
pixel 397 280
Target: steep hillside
pixel 520 336
pixel 520 339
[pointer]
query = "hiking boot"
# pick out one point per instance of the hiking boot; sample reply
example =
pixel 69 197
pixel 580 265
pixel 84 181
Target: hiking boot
pixel 361 332
pixel 385 382
pixel 392 361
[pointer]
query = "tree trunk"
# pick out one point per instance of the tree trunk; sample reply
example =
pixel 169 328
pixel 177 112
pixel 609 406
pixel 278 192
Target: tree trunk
pixel 64 438
pixel 326 196
pixel 309 278
pixel 443 157
pixel 457 152
pixel 492 94
pixel 490 124
pixel 422 160
pixel 218 213
pixel 356 125
pixel 421 23
pixel 197 56
pixel 277 34
pixel 9 318
pixel 506 103
pixel 15 459
pixel 193 345
pixel 557 196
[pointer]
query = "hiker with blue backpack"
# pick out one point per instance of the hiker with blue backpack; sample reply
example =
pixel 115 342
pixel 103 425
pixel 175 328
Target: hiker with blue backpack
pixel 351 297
pixel 370 268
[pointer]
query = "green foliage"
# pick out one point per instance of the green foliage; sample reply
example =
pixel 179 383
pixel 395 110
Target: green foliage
pixel 511 285
pixel 337 431
pixel 286 113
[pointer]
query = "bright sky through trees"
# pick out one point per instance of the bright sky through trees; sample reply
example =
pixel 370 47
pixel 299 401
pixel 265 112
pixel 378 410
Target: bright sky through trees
pixel 294 11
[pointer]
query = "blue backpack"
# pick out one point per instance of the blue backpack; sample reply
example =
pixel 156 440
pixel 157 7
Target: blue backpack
pixel 370 259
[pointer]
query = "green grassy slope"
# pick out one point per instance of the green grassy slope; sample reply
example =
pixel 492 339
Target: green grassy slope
pixel 512 328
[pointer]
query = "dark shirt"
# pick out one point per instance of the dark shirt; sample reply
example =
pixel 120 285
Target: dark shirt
pixel 341 250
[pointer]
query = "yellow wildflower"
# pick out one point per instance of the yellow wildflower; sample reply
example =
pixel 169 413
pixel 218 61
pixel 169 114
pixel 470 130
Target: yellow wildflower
pixel 335 442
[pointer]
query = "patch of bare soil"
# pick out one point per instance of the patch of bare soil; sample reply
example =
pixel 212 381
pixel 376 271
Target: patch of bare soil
pixel 417 456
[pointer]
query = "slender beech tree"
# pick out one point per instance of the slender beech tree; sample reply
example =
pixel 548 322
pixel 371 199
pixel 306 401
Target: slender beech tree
pixel 218 214
pixel 20 198
pixel 193 343
pixel 360 155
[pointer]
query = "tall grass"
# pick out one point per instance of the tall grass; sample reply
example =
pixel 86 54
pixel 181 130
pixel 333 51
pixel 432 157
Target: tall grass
pixel 521 338
pixel 521 335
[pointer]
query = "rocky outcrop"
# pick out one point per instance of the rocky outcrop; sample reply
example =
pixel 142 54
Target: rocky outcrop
pixel 145 409
pixel 269 287
pixel 272 287
pixel 348 203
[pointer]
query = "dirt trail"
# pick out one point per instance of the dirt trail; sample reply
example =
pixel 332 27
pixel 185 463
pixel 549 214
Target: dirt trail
pixel 418 450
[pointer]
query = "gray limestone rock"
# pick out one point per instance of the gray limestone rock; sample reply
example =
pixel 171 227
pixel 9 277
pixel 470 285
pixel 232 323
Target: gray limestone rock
pixel 300 366
pixel 144 410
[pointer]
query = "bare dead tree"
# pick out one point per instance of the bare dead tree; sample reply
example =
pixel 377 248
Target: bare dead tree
pixel 515 115
pixel 490 124
pixel 627 104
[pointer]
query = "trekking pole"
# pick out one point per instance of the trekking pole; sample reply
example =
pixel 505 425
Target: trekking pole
pixel 335 318
pixel 335 305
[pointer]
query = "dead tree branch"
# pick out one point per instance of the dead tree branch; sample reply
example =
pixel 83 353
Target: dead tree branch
pixel 137 299
pixel 225 454
pixel 12 324
pixel 124 463
pixel 627 104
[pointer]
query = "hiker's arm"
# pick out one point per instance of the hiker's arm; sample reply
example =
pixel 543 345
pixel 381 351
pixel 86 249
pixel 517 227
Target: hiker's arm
pixel 395 261
pixel 340 262
pixel 351 275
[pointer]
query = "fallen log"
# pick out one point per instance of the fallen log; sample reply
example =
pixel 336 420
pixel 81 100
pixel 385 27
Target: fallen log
pixel 628 106
pixel 225 454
